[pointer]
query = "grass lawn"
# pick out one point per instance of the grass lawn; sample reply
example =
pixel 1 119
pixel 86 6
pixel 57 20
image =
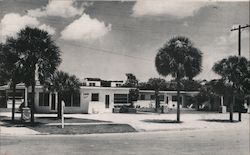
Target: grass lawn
pixel 41 125
pixel 83 129
pixel 45 120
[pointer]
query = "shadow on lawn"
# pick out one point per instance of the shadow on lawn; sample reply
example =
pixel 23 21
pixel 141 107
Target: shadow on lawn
pixel 6 121
pixel 219 120
pixel 67 120
pixel 161 121
pixel 19 123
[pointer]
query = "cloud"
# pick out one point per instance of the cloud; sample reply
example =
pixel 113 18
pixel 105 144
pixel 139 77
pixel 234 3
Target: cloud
pixel 222 47
pixel 49 29
pixel 176 8
pixel 61 8
pixel 229 41
pixel 85 28
pixel 12 23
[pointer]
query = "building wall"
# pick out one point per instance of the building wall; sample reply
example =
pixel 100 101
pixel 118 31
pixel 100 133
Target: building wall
pixel 96 83
pixel 89 106
pixel 99 106
pixel 116 84
pixel 168 101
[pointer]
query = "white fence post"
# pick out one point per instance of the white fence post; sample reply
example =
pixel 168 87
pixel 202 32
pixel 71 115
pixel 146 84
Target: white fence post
pixel 62 111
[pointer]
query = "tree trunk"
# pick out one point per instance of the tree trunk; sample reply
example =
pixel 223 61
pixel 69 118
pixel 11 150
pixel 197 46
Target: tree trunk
pixel 32 104
pixel 59 106
pixel 239 110
pixel 156 100
pixel 232 108
pixel 239 115
pixel 178 98
pixel 13 100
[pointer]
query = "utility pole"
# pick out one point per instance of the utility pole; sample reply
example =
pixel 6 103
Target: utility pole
pixel 239 50
pixel 239 30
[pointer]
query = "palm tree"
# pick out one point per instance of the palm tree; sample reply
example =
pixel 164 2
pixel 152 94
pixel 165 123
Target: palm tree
pixel 178 58
pixel 64 84
pixel 10 67
pixel 234 71
pixel 39 54
pixel 156 84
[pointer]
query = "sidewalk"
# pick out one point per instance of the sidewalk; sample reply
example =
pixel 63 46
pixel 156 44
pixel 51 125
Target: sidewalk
pixel 145 122
pixel 155 122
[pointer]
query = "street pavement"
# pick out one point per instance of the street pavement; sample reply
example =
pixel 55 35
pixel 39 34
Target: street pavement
pixel 190 142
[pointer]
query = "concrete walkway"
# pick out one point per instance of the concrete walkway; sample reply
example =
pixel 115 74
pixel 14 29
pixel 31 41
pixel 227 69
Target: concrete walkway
pixel 146 122
pixel 150 122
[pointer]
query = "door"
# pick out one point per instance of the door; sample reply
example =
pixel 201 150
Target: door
pixel 53 101
pixel 107 101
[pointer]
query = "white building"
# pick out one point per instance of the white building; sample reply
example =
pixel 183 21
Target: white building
pixel 95 82
pixel 116 83
pixel 93 99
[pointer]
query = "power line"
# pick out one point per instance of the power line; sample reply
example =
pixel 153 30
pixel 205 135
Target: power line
pixel 107 51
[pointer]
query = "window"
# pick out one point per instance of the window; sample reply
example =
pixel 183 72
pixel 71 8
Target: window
pixel 43 99
pixel 18 95
pixel 120 98
pixel 152 97
pixel 95 97
pixel 118 85
pixel 142 97
pixel 91 84
pixel 67 99
pixel 72 100
pixel 161 97
pixel 76 99
pixel 174 99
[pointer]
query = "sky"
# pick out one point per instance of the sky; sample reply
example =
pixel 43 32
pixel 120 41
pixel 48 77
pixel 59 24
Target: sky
pixel 107 39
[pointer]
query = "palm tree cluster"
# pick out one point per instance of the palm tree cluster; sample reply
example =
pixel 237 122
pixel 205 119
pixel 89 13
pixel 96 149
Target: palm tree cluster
pixel 234 72
pixel 32 50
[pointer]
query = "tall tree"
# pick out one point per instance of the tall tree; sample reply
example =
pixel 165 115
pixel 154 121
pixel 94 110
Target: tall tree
pixel 234 71
pixel 10 67
pixel 64 84
pixel 39 53
pixel 178 58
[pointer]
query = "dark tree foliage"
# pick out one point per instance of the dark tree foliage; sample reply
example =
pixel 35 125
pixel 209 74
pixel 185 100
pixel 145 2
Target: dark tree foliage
pixel 133 96
pixel 11 67
pixel 131 81
pixel 63 83
pixel 178 58
pixel 39 53
pixel 234 71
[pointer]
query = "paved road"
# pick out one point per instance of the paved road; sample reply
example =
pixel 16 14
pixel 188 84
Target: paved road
pixel 195 142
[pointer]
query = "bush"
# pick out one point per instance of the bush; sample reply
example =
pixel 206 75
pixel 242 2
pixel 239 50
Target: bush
pixel 127 109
